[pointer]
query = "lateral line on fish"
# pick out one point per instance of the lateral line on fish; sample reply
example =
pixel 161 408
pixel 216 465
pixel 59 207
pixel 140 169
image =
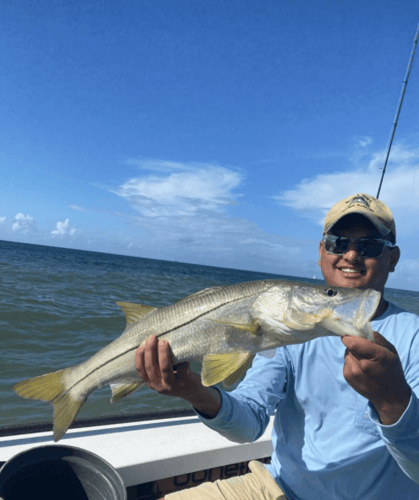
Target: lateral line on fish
pixel 159 335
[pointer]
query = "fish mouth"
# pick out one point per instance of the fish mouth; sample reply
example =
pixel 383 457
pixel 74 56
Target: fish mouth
pixel 356 321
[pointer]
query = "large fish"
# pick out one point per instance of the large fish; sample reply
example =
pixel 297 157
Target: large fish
pixel 223 327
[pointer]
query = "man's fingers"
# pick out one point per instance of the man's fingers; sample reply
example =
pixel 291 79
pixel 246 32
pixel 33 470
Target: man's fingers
pixel 364 349
pixel 382 341
pixel 139 361
pixel 165 362
pixel 150 359
pixel 358 347
pixel 155 362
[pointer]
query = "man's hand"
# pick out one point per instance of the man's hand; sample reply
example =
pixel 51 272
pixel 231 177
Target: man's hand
pixel 154 362
pixel 374 370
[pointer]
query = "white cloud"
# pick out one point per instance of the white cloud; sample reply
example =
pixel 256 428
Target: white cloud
pixel 184 216
pixel 180 189
pixel 162 165
pixel 63 228
pixel 364 141
pixel 23 224
pixel 78 208
pixel 312 198
pixel 184 212
pixel 2 220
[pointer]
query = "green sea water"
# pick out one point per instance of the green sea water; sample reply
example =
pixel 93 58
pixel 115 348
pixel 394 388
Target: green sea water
pixel 58 307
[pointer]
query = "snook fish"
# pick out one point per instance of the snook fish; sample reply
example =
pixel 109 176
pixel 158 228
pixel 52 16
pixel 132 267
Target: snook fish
pixel 222 327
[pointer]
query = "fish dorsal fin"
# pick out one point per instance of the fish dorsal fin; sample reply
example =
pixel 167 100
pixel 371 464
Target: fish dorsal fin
pixel 121 389
pixel 228 367
pixel 134 312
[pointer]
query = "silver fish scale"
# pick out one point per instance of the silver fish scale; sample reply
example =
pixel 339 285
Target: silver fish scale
pixel 116 360
pixel 168 319
pixel 191 325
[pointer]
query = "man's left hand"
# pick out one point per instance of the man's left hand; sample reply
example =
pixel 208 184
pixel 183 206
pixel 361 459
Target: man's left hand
pixel 374 370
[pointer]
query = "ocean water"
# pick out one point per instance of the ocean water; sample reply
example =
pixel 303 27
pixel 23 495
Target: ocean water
pixel 58 307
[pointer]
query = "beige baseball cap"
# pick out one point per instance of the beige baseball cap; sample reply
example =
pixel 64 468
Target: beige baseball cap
pixel 368 206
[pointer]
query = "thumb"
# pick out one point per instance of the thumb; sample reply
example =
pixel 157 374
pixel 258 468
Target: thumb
pixel 383 342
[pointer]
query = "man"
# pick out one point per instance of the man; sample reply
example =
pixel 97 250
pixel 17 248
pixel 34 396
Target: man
pixel 346 409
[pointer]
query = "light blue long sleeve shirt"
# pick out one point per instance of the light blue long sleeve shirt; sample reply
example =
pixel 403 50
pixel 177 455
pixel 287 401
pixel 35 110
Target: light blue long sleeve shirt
pixel 327 439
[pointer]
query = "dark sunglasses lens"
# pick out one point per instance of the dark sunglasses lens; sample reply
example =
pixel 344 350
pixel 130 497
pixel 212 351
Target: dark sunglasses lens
pixel 366 247
pixel 337 245
pixel 370 248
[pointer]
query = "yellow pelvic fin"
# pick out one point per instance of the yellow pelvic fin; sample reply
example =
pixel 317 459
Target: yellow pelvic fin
pixel 253 327
pixel 228 367
pixel 122 389
pixel 234 377
pixel 51 388
pixel 134 312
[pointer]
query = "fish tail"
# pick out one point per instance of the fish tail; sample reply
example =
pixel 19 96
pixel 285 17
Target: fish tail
pixel 52 388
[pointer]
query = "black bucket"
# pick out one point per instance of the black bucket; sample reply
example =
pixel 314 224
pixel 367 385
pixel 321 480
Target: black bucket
pixel 55 472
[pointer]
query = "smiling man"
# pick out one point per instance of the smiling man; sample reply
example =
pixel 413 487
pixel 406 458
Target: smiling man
pixel 367 263
pixel 358 250
pixel 346 409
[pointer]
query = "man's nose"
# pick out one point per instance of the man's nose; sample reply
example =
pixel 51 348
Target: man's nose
pixel 352 253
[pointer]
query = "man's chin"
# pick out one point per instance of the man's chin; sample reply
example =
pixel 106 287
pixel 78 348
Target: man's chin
pixel 349 281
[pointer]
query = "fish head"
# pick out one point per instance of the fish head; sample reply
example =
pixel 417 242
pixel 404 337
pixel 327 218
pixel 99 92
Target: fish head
pixel 307 311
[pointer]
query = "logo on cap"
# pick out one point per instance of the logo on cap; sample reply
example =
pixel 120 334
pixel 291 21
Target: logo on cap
pixel 359 200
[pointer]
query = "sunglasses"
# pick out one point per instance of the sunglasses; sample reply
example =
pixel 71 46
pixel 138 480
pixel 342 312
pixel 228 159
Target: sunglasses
pixel 367 247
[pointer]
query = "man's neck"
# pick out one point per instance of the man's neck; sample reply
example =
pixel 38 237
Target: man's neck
pixel 381 309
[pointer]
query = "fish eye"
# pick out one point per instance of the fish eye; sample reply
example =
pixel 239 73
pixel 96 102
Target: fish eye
pixel 330 292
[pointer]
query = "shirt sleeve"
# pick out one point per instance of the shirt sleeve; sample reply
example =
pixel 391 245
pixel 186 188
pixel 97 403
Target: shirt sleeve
pixel 402 438
pixel 245 411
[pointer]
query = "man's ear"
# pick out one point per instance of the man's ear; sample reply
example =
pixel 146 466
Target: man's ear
pixel 320 251
pixel 394 258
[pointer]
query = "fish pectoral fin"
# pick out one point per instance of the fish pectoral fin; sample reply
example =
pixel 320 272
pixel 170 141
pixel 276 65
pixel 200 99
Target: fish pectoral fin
pixel 253 327
pixel 122 389
pixel 228 367
pixel 51 388
pixel 135 312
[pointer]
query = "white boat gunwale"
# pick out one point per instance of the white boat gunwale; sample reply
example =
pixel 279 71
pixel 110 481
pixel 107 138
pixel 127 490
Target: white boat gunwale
pixel 143 451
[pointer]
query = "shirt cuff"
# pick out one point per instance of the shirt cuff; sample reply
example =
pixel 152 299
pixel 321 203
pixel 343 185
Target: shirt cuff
pixel 222 415
pixel 407 424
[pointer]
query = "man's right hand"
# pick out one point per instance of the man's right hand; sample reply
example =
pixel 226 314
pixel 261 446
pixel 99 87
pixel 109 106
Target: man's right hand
pixel 154 363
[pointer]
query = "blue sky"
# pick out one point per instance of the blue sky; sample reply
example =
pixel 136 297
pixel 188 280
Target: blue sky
pixel 214 132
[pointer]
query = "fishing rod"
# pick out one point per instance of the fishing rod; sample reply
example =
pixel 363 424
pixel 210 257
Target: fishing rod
pixel 399 107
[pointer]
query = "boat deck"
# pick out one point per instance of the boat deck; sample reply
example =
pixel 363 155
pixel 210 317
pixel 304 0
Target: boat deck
pixel 155 457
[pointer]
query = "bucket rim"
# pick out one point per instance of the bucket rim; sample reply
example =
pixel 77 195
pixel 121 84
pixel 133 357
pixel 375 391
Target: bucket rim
pixel 60 452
